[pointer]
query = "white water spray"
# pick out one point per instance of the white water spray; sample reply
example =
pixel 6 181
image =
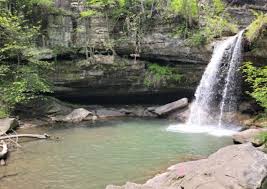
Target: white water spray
pixel 205 93
pixel 217 91
pixel 230 92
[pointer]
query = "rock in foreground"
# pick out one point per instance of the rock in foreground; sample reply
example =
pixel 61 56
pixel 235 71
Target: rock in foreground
pixel 236 167
pixel 250 135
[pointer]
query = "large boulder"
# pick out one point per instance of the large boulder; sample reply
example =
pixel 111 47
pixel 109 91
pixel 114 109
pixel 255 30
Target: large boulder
pixel 41 107
pixel 250 135
pixel 182 115
pixel 168 108
pixel 76 115
pixel 7 124
pixel 236 167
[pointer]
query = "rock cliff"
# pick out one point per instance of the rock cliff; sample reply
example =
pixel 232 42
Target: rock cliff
pixel 115 73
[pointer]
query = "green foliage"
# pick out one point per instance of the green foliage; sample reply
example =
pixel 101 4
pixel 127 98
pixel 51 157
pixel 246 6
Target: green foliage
pixel 218 6
pixel 88 13
pixel 257 78
pixel 194 37
pixel 40 2
pixel 160 75
pixel 216 23
pixel 187 8
pixel 16 36
pixel 26 86
pixel 3 113
pixel 22 75
pixel 257 27
pixel 216 26
pixel 199 38
pixel 262 137
pixel 102 4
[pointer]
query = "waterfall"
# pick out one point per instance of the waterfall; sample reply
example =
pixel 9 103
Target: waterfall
pixel 205 94
pixel 217 94
pixel 208 95
pixel 232 86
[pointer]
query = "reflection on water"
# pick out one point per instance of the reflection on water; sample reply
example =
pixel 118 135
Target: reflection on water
pixel 90 156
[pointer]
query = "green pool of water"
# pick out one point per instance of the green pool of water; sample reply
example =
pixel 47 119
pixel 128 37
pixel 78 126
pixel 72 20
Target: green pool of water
pixel 90 156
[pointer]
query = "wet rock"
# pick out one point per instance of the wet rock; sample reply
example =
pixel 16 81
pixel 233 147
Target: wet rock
pixel 246 107
pixel 250 135
pixel 55 107
pixel 260 123
pixel 91 118
pixel 104 59
pixel 7 124
pixel 76 115
pixel 236 167
pixel 105 113
pixel 168 108
pixel 182 115
pixel 34 122
pixel 151 109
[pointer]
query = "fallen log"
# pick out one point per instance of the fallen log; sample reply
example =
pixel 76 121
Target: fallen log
pixel 44 136
pixel 168 108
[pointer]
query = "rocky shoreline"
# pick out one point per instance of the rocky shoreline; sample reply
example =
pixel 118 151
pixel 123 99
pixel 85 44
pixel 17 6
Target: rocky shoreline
pixel 237 167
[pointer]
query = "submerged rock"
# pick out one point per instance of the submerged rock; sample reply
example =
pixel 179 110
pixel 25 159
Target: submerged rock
pixel 236 167
pixel 250 135
pixel 7 124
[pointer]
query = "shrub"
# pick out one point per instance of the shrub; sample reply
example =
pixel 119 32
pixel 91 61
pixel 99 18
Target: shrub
pixel 257 27
pixel 257 78
pixel 218 6
pixel 216 26
pixel 160 75
pixel 88 13
pixel 198 39
pixel 262 137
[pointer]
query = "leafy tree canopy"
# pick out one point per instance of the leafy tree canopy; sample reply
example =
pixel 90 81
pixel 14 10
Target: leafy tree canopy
pixel 22 75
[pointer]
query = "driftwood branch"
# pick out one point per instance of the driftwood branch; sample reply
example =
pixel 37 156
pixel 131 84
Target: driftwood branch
pixel 4 149
pixel 15 142
pixel 44 136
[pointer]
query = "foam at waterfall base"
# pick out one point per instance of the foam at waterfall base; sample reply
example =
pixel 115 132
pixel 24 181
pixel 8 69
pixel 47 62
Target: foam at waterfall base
pixel 209 129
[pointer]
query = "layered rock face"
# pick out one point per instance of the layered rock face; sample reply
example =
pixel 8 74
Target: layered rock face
pixel 123 81
pixel 114 76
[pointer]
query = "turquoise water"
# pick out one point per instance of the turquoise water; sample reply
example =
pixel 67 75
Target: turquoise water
pixel 90 156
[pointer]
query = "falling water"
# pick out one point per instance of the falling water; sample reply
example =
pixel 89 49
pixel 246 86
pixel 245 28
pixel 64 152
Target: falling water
pixel 230 92
pixel 205 94
pixel 218 90
pixel 208 96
